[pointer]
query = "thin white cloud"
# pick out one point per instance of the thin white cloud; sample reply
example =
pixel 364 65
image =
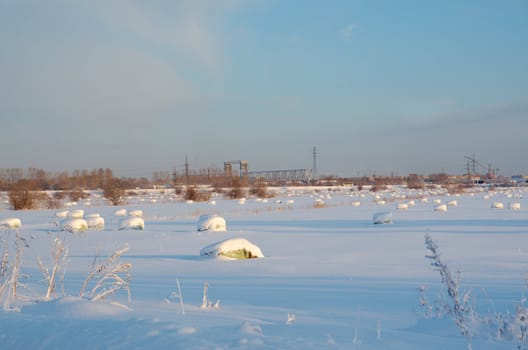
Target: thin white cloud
pixel 190 28
pixel 349 30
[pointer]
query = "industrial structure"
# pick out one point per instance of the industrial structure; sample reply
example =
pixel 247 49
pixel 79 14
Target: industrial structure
pixel 473 174
pixel 295 175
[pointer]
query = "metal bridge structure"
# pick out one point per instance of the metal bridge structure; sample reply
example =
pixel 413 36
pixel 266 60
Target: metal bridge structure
pixel 302 175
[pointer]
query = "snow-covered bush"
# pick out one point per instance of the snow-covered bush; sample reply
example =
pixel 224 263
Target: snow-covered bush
pixel 74 225
pixel 10 223
pixel 132 223
pixel 382 218
pixel 236 248
pixel 211 222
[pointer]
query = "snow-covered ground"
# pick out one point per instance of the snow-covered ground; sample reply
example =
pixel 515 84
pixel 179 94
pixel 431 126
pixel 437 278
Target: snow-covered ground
pixel 330 278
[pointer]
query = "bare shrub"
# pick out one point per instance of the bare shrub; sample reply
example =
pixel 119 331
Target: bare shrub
pixel 236 191
pixel 22 195
pixel 260 190
pixel 77 195
pixel 178 190
pixel 115 190
pixel 59 195
pixel 194 194
pixel 53 203
pixel 415 181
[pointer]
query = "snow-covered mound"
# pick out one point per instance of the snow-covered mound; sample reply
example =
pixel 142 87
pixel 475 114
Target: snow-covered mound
pixel 236 248
pixel 440 207
pixel 132 223
pixel 74 225
pixel 137 213
pixel 497 205
pixel 382 218
pixel 76 214
pixel 62 214
pixel 211 222
pixel 402 206
pixel 10 223
pixel 95 221
pixel 120 212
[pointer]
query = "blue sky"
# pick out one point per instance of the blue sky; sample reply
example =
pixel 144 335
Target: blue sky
pixel 377 86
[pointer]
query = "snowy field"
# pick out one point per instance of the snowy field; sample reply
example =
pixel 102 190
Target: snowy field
pixel 330 278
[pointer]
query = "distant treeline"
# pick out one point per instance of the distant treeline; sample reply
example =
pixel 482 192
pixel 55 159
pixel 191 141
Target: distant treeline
pixel 39 179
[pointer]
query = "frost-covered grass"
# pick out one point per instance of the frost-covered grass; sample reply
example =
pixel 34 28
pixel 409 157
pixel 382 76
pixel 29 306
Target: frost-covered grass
pixel 330 278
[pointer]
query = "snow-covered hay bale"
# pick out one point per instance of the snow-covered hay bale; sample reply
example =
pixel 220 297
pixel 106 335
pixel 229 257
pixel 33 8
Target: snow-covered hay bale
pixel 515 206
pixel 437 201
pixel 211 222
pixel 236 248
pixel 74 225
pixel 382 218
pixel 137 213
pixel 356 204
pixel 62 214
pixel 10 223
pixel 497 205
pixel 132 223
pixel 120 212
pixel 440 207
pixel 95 221
pixel 76 214
pixel 452 203
pixel 402 206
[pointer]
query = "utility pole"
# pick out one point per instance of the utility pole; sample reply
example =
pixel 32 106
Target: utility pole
pixel 314 166
pixel 186 171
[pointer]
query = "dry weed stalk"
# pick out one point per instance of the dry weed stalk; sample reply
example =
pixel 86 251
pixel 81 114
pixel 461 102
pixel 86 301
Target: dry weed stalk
pixel 59 254
pixel 10 271
pixel 111 276
pixel 461 308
